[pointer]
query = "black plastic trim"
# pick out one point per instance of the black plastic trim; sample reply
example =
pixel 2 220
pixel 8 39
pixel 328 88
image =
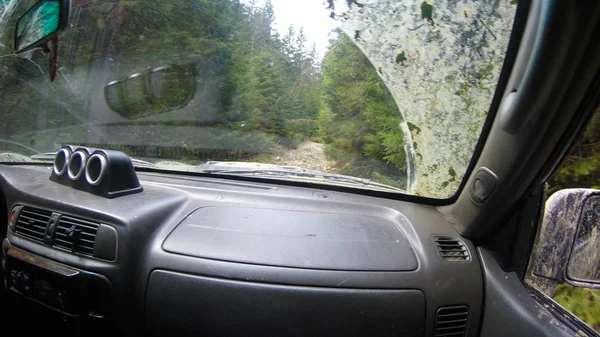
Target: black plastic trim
pixel 106 243
pixel 508 300
pixel 201 306
pixel 116 178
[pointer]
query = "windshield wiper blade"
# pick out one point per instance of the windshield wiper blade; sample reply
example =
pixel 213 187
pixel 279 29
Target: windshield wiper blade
pixel 49 157
pixel 141 163
pixel 46 157
pixel 276 171
pixel 298 172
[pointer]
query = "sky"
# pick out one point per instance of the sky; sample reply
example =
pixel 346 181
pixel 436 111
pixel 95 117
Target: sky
pixel 310 14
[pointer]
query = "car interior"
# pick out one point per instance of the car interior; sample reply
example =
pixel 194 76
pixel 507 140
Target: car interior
pixel 93 245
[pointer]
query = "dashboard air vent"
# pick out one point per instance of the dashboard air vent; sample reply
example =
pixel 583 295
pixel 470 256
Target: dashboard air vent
pixel 451 321
pixel 75 234
pixel 451 249
pixel 32 223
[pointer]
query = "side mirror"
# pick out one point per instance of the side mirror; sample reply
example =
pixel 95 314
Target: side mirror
pixel 41 24
pixel 152 92
pixel 567 245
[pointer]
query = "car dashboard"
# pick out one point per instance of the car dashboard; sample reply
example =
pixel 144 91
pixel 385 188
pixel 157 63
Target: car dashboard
pixel 190 255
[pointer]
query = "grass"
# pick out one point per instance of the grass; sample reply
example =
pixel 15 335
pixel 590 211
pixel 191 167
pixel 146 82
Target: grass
pixel 265 158
pixel 584 303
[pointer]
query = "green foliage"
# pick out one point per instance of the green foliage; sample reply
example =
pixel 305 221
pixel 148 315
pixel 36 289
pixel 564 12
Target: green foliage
pixel 247 78
pixel 302 128
pixel 258 90
pixel 581 168
pixel 359 121
pixel 584 303
pixel 276 81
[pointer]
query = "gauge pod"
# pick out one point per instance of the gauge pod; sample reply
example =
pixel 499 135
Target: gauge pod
pixel 101 172
pixel 76 164
pixel 61 161
pixel 96 168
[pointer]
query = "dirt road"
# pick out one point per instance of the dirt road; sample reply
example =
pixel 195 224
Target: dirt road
pixel 308 155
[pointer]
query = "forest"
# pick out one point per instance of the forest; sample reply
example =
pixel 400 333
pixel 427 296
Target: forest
pixel 257 88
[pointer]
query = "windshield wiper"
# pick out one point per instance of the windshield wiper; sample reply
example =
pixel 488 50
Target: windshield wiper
pixel 271 171
pixel 49 157
pixel 19 144
pixel 302 173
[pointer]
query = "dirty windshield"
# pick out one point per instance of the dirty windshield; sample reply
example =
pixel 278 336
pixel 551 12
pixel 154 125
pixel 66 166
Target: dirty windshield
pixel 381 95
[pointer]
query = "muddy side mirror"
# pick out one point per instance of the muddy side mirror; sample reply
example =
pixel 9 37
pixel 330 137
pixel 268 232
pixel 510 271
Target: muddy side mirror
pixel 567 245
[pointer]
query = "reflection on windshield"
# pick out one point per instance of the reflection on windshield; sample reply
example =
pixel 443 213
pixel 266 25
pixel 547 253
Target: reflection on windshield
pixel 161 89
pixel 391 91
pixel 6 9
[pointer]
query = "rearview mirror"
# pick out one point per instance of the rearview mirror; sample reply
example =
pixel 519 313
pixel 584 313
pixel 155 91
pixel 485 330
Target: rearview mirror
pixel 40 24
pixel 567 246
pixel 153 91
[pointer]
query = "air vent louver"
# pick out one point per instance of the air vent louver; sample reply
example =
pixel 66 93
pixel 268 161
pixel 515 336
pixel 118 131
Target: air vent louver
pixel 451 249
pixel 451 321
pixel 76 235
pixel 32 223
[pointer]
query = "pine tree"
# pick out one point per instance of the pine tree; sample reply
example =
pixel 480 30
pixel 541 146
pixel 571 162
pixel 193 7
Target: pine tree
pixel 359 119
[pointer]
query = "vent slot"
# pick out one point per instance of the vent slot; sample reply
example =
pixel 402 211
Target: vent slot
pixel 451 321
pixel 32 223
pixel 75 234
pixel 451 249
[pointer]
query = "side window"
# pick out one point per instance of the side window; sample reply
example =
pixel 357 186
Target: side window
pixel 584 303
pixel 580 169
